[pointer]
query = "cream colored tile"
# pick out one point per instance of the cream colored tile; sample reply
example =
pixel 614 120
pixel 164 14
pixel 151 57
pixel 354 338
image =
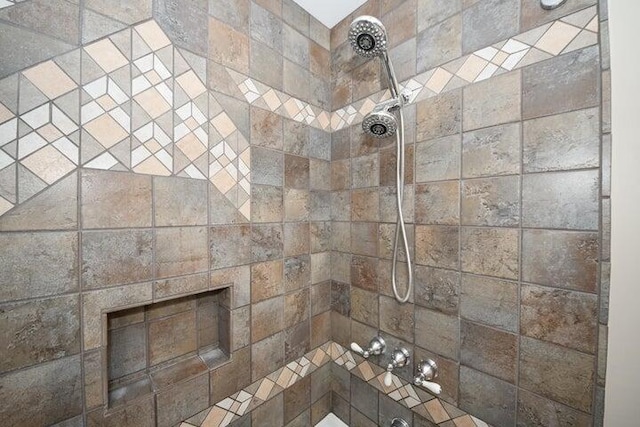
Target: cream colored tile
pixel 153 35
pixel 471 68
pixel 50 79
pixel 272 100
pixel 49 132
pixel 106 130
pixel 5 205
pixel 437 411
pixel 152 166
pixel 191 84
pixel 593 25
pixel 153 102
pixel 48 164
pixel 557 37
pixel 191 146
pixel 439 80
pixel 223 124
pixel 265 389
pixel 499 58
pixel 5 113
pixel 106 55
pixel 223 181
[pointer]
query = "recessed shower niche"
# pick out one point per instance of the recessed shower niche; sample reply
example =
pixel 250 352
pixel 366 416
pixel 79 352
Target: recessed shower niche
pixel 153 347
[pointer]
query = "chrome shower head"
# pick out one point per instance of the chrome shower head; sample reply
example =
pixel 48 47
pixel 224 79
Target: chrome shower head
pixel 368 36
pixel 380 124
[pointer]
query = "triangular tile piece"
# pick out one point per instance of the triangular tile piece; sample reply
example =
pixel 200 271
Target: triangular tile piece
pixel 9 92
pixel 582 40
pixel 122 40
pixel 69 104
pixel 28 184
pixel 70 64
pixel 90 70
pixel 8 183
pixel 197 63
pixel 581 18
pixel 96 26
pixel 122 152
pixel 30 96
pixel 139 47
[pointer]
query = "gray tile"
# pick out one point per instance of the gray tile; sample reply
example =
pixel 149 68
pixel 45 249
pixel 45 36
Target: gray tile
pixel 438 159
pixel 229 378
pixel 397 319
pixel 267 167
pixel 182 401
pixel 296 138
pixel 297 398
pixel 296 80
pixel 561 200
pixel 557 373
pixel 437 289
pixel 181 251
pixel 64 25
pixel 563 317
pixel 365 171
pixel 38 331
pixel 231 12
pixel 265 64
pixel 266 129
pixel 437 203
pixel 127 350
pixel 25 396
pixel 437 332
pixel 38 264
pixel 478 23
pixel 489 398
pixel 430 12
pixel 490 251
pixel 537 411
pixel 439 43
pixel 532 15
pixel 266 27
pixel 319 33
pixel 399 21
pixel 492 102
pixel 489 350
pixel 266 203
pixel 297 205
pixel 128 12
pixel 267 318
pixel 266 242
pixel 567 82
pixel 185 24
pixel 491 201
pixel 493 302
pixel 179 201
pixel 112 258
pixel 439 116
pixel 262 366
pixel 140 413
pixel 388 409
pixel 491 151
pixel 295 46
pixel 294 15
pixel 172 337
pixel 364 397
pixel 229 245
pixel 437 246
pixel 227 46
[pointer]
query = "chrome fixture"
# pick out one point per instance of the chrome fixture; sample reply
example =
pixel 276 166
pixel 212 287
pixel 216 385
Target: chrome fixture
pixel 399 358
pixel 399 422
pixel 376 348
pixel 551 4
pixel 368 38
pixel 427 371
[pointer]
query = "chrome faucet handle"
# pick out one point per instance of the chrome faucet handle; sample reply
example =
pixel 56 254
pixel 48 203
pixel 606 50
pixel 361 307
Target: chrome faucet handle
pixel 376 348
pixel 427 371
pixel 399 358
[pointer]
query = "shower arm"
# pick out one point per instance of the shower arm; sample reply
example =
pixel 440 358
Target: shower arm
pixel 394 87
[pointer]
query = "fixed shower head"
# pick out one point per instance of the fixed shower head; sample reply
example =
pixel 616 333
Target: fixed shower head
pixel 368 36
pixel 380 124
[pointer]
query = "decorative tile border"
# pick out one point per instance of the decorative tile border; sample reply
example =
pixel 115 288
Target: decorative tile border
pixel 241 403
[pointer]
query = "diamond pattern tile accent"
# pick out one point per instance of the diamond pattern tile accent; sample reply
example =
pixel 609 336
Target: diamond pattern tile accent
pixel 6 3
pixel 49 78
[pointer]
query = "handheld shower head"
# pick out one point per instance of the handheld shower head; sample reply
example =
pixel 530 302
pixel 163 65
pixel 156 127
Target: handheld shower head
pixel 368 36
pixel 380 124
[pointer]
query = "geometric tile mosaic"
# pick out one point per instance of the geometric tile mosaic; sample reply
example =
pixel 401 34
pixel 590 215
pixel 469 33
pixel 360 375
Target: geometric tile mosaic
pixel 6 3
pixel 230 409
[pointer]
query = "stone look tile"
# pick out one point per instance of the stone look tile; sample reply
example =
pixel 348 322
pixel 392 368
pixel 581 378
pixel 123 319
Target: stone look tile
pixel 438 159
pixel 228 46
pixel 266 167
pixel 179 201
pixel 269 414
pixel 127 350
pixel 440 43
pixel 489 398
pixel 561 200
pixel 437 332
pixel 266 129
pixel 431 12
pixel 490 251
pixel 296 239
pixel 439 116
pixel 232 12
pixel 437 203
pixel 476 34
pixel 266 280
pixel 364 306
pixel 491 151
pixel 186 25
pixel 565 83
pixel 181 251
pixel 492 102
pixel 559 316
pixel 182 400
pixel 297 398
pixel 437 246
pixel 491 201
pixel 265 64
pixel 231 377
pixel 493 302
pixel 437 289
pixel 397 319
pixel 172 337
pixel 563 141
pixel 296 173
pixel 111 258
pixel 266 318
pixel 537 411
pixel 267 203
pixel 558 373
pixel 229 245
pixel 266 242
pixel 532 15
pixel 489 350
pixel 262 366
pixel 38 331
pixel 38 264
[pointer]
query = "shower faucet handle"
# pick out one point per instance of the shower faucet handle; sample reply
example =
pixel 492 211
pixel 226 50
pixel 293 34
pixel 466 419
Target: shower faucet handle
pixel 376 348
pixel 427 371
pixel 399 358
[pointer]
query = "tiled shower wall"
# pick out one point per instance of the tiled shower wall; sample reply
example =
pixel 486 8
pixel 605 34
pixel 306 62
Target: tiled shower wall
pixel 134 170
pixel 507 201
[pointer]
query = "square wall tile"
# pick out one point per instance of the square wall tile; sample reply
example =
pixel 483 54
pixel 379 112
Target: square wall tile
pixel 181 251
pixel 492 102
pixel 179 201
pixel 490 251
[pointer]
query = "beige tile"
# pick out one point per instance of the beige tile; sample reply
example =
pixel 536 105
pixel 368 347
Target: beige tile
pixel 557 37
pixel 152 35
pixel 106 130
pixel 49 164
pixel 471 68
pixel 191 84
pixel 50 79
pixel 439 80
pixel 152 102
pixel 106 55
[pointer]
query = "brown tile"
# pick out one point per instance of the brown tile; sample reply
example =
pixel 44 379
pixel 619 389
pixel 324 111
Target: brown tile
pixel 266 129
pixel 182 401
pixel 437 246
pixel 364 205
pixel 111 258
pixel 38 264
pixel 558 373
pixel 492 102
pixel 139 413
pixel 232 377
pixel 320 267
pixel 25 394
pixel 228 46
pixel 127 350
pixel 297 273
pixel 296 307
pixel 320 329
pixel 93 389
pixel 270 414
pixel 491 201
pixel 397 319
pixel 181 251
pixel 401 22
pixel 224 254
pixel 439 116
pixel 493 302
pixel 490 251
pixel 241 328
pixel 369 80
pixel 319 175
pixel 266 280
pixel 296 239
pixel 448 374
pixel 390 409
pixel 341 267
pixel 297 341
pixel 272 346
pixel 438 159
pixel 537 411
pixel 267 318
pixel 180 285
pixel 320 297
pixel 341 175
pixel 296 172
pixel 437 289
pixel 364 306
pixel 320 236
pixel 172 337
pixel 266 203
pixel 179 201
pixel 388 166
pixel 437 332
pixel 559 316
pixel 364 273
pixel 319 60
pixel 297 398
pixel 340 329
pixel 37 331
pixel 340 298
pixel 565 83
pixel 388 203
pixel 489 350
pixel 491 151
pixel 561 200
pixel 440 43
pixel 364 238
pixel 115 199
pixel 438 203
pixel 297 205
pixel 560 258
pixel 489 398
